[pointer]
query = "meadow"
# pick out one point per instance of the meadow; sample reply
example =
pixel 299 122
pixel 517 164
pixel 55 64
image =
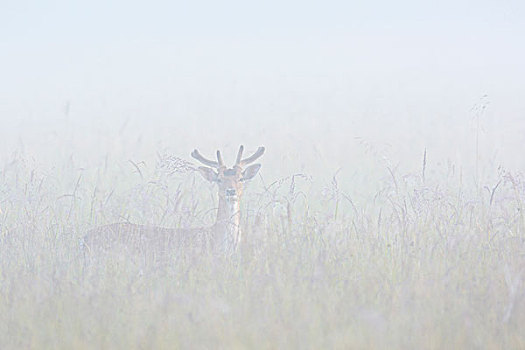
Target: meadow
pixel 375 256
pixel 388 212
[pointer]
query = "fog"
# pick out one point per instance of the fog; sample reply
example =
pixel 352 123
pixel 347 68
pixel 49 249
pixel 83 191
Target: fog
pixel 353 96
pixel 407 74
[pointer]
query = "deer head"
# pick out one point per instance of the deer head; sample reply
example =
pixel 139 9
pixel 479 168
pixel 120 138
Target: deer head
pixel 229 180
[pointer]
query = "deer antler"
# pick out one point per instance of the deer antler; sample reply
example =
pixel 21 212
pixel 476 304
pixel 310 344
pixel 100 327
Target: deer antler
pixel 220 163
pixel 239 155
pixel 195 154
pixel 250 159
pixel 219 159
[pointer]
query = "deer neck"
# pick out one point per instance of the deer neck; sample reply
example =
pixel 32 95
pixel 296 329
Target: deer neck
pixel 228 224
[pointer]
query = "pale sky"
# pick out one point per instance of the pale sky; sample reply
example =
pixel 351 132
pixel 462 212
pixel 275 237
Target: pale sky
pixel 396 67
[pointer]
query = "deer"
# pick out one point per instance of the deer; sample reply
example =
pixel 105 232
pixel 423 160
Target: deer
pixel 224 235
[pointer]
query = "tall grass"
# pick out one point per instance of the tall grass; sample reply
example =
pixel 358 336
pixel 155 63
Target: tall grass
pixel 428 261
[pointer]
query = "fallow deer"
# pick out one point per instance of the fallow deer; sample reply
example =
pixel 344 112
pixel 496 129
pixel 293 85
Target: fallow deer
pixel 224 234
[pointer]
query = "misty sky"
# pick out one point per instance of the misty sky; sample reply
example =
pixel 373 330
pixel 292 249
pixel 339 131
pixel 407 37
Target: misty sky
pixel 383 67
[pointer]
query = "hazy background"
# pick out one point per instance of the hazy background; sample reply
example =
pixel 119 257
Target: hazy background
pixel 351 239
pixel 330 79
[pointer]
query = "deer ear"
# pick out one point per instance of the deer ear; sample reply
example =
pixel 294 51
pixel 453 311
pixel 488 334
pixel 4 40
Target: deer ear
pixel 250 172
pixel 208 173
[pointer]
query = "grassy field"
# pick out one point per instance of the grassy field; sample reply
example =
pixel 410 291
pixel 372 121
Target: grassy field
pixel 388 212
pixel 423 259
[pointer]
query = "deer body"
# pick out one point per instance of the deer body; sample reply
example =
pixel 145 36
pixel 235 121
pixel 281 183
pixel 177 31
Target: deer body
pixel 224 234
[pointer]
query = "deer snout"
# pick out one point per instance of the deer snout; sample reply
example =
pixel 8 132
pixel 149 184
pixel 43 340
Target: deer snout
pixel 231 192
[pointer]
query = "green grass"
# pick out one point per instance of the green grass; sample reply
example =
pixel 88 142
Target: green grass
pixel 434 263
